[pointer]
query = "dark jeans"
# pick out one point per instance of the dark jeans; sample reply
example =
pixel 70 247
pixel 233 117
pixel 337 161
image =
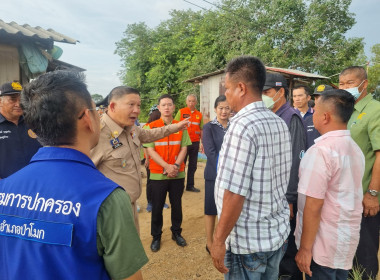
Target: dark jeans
pixel 148 186
pixel 159 190
pixel 192 154
pixel 326 273
pixel 255 266
pixel 366 254
pixel 288 265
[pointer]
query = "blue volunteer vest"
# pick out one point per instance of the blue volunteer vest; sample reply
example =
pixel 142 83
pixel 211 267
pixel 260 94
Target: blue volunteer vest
pixel 286 112
pixel 48 217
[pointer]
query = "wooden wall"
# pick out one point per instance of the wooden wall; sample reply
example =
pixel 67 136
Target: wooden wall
pixel 9 64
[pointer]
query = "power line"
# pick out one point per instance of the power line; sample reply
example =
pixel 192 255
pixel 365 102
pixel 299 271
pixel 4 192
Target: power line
pixel 195 5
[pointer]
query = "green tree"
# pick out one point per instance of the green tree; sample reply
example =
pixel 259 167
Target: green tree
pixel 306 35
pixel 96 97
pixel 374 72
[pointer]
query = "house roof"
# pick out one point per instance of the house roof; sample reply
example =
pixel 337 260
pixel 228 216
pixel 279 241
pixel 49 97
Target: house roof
pixel 56 64
pixel 37 32
pixel 295 73
pixel 286 72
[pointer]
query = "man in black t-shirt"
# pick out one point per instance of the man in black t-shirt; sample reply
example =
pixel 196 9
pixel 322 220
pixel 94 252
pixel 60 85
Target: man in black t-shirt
pixel 17 142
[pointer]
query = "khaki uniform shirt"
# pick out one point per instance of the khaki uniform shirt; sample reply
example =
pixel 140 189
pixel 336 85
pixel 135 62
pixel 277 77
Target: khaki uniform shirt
pixel 122 164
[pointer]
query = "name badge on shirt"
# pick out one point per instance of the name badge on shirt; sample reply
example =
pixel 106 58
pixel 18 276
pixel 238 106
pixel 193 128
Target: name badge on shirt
pixel 115 142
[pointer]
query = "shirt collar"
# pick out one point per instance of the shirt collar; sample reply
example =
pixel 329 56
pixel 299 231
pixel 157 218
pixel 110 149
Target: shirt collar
pixel 112 125
pixel 3 119
pixel 334 133
pixel 362 103
pixel 215 122
pixel 249 107
pixel 57 153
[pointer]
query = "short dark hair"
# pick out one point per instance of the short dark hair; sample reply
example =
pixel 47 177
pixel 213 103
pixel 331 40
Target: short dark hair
pixel 248 69
pixel 120 91
pixel 220 98
pixel 165 96
pixel 52 104
pixel 306 88
pixel 358 70
pixel 155 115
pixel 342 101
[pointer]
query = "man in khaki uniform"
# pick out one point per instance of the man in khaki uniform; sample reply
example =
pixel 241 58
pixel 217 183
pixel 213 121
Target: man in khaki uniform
pixel 117 154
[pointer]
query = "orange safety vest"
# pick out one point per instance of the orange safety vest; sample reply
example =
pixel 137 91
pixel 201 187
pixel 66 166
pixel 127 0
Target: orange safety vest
pixel 195 123
pixel 168 148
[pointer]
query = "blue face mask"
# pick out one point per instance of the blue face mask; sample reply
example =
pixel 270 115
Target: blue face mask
pixel 354 91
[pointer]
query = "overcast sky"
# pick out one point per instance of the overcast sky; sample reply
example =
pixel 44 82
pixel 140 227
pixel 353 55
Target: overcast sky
pixel 99 24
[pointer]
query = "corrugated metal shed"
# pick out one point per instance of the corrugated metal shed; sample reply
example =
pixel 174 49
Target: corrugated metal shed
pixel 13 28
pixel 286 72
pixel 295 73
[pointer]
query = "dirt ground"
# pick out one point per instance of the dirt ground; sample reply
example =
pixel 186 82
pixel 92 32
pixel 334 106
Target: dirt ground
pixel 173 262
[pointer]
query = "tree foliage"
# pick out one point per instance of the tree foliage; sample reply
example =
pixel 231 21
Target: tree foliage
pixel 306 35
pixel 96 97
pixel 374 72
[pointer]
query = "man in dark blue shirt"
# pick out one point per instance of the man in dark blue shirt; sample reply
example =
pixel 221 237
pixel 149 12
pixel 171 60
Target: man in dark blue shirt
pixel 17 142
pixel 311 132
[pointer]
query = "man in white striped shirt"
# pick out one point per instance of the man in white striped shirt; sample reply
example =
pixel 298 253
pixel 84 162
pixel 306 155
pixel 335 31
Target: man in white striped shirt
pixel 253 175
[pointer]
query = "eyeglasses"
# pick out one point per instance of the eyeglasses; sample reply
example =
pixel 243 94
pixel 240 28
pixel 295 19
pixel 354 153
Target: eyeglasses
pixel 81 116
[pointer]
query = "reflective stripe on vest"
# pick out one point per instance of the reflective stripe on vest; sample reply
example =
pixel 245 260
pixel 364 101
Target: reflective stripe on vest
pixel 171 143
pixel 195 123
pixel 168 148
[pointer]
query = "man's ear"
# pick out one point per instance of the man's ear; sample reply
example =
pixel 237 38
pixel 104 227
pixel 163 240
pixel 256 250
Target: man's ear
pixel 112 106
pixel 365 84
pixel 243 88
pixel 88 120
pixel 282 92
pixel 327 117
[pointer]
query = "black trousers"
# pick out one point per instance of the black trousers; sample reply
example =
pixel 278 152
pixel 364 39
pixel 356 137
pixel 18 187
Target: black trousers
pixel 366 254
pixel 192 154
pixel 148 186
pixel 160 188
pixel 288 265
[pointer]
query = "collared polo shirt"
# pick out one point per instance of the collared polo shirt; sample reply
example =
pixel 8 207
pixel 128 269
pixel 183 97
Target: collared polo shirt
pixel 254 162
pixel 364 126
pixel 18 144
pixel 332 170
pixel 309 112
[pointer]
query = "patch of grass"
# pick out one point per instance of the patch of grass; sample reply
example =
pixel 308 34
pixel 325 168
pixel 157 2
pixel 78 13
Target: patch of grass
pixel 357 273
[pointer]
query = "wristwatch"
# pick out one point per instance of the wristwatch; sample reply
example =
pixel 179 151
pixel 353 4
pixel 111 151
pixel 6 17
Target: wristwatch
pixel 176 164
pixel 373 192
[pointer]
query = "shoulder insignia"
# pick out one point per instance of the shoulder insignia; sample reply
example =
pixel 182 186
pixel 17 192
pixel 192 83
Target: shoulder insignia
pixel 361 116
pixel 32 134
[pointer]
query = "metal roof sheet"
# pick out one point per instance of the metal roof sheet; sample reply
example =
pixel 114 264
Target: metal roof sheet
pixel 286 72
pixel 296 73
pixel 13 28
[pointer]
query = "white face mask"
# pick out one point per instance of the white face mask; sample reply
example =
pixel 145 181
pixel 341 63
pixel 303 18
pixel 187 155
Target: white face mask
pixel 354 91
pixel 268 101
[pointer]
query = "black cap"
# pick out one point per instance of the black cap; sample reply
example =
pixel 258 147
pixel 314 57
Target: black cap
pixel 10 88
pixel 103 102
pixel 274 80
pixel 321 89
